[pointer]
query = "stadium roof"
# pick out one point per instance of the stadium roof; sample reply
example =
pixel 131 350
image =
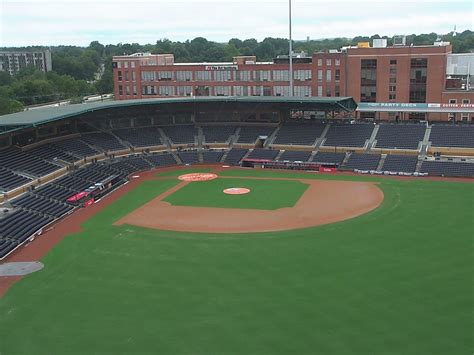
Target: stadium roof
pixel 40 116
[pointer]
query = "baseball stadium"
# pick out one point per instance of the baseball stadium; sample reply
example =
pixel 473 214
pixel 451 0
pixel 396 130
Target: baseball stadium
pixel 234 225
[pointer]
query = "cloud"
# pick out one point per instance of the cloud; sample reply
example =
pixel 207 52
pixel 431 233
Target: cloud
pixel 144 21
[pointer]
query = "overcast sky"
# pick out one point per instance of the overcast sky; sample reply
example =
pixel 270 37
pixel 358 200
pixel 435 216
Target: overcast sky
pixel 74 22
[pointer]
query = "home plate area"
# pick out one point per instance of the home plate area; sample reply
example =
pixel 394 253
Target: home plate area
pixel 236 191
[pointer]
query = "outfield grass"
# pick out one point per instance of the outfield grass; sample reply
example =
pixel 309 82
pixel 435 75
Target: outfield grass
pixel 264 194
pixel 395 281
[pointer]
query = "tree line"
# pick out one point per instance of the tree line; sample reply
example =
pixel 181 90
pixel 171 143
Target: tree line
pixel 79 71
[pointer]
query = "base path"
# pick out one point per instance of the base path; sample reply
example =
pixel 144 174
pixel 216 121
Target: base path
pixel 323 202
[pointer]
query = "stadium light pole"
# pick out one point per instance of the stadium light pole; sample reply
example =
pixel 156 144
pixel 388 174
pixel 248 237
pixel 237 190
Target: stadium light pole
pixel 290 56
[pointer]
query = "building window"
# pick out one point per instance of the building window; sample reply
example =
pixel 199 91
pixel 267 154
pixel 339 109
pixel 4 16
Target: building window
pixel 392 96
pixel 393 62
pixel 148 76
pixel 328 91
pixel 184 90
pixel 281 75
pixel 368 80
pixel 166 91
pixel 320 62
pixel 337 62
pixel 337 75
pixel 337 91
pixel 302 91
pixel 453 101
pixel 301 75
pixel 125 64
pixel 464 117
pixel 418 72
pixel 184 75
pixel 281 91
pixel 132 64
pixel 242 75
pixel 465 101
pixel 202 75
pixel 222 75
pixel 328 75
pixel 222 90
pixel 127 90
pixel 328 62
pixel 126 76
pixel 119 64
pixel 262 75
pixel 134 90
pixel 320 90
pixel 120 90
pixel 392 80
pixel 320 75
pixel 119 75
pixel 392 88
pixel 165 75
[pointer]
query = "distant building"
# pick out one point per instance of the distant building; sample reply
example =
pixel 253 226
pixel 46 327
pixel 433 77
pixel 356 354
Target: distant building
pixel 13 61
pixel 382 74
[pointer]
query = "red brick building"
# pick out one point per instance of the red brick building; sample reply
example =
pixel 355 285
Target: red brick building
pixel 402 74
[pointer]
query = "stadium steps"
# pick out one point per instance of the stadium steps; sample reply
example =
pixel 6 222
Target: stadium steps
pixel 93 147
pixel 418 165
pixel 311 157
pixel 371 142
pixel 381 162
pixel 123 142
pixel 224 156
pixel 321 139
pixel 176 157
pixel 200 140
pixel 425 144
pixel 272 137
pixel 234 138
pixel 164 139
pixel 279 155
pixel 246 154
pixel 346 158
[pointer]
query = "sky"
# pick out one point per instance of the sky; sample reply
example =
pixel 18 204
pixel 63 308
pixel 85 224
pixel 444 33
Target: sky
pixel 73 22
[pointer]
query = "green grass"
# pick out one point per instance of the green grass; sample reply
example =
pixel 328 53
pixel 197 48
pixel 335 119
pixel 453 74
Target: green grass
pixel 395 281
pixel 264 194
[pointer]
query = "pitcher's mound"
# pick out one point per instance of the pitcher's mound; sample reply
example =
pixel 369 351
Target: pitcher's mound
pixel 236 191
pixel 197 177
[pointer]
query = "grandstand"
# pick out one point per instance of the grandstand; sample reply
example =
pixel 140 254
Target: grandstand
pixel 40 174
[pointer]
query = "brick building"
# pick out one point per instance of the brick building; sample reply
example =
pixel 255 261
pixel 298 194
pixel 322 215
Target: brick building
pixel 398 74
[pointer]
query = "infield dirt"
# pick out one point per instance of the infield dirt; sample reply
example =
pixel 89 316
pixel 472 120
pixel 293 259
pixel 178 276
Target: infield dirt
pixel 323 202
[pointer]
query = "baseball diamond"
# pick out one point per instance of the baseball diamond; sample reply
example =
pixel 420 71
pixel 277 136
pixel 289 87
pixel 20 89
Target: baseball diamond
pixel 335 238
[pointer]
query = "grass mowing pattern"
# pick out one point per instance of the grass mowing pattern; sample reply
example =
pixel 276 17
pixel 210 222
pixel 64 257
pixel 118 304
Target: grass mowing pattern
pixel 264 194
pixel 395 281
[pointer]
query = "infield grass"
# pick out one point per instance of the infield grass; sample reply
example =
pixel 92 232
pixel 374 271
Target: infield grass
pixel 397 280
pixel 263 195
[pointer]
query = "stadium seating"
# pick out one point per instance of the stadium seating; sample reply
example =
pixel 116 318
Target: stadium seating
pixel 215 134
pixel 181 134
pixel 268 154
pixel 191 157
pixel 348 135
pixel 9 180
pixel 212 156
pixel 400 163
pixel 103 141
pixel 16 160
pixel 295 155
pixel 140 137
pixel 249 134
pixel 76 147
pixel 448 168
pixel 400 136
pixel 235 155
pixel 53 154
pixel 329 158
pixel 161 159
pixel 461 136
pixel 299 133
pixel 362 162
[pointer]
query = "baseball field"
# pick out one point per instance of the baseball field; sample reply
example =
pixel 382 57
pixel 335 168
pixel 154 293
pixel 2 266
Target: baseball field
pixel 363 265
